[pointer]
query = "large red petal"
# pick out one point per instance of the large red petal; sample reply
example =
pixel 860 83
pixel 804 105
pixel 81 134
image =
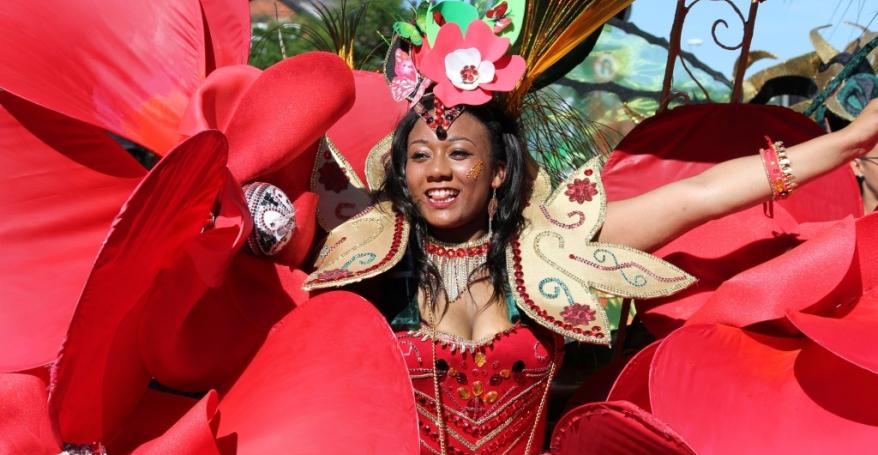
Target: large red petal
pixel 25 426
pixel 329 379
pixel 191 434
pixel 287 109
pixel 814 274
pixel 726 390
pixel 632 385
pixel 64 182
pixel 299 247
pixel 98 380
pixel 203 338
pixel 373 116
pixel 228 32
pixel 852 337
pixel 715 252
pixel 615 427
pixel 128 67
pixel 217 97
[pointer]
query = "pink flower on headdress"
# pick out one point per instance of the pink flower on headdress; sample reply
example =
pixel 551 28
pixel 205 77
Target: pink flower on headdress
pixel 467 70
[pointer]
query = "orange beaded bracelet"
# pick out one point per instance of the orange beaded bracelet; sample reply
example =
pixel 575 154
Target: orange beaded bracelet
pixel 778 169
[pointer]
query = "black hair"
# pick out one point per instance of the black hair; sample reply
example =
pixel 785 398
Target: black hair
pixel 506 147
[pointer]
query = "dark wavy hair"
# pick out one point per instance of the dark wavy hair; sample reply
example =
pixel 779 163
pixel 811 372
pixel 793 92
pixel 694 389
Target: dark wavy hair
pixel 506 147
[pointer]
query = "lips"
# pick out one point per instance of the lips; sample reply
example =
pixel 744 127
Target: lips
pixel 442 197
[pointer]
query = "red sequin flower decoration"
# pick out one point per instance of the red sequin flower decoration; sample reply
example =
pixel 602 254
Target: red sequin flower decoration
pixel 581 190
pixel 578 314
pixel 334 274
pixel 332 177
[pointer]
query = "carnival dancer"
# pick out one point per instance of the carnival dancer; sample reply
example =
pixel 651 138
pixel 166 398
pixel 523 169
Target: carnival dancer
pixel 479 237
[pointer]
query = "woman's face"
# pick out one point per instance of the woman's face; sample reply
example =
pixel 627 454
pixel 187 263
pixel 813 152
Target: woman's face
pixel 451 180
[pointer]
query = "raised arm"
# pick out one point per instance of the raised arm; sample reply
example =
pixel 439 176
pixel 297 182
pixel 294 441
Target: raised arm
pixel 652 219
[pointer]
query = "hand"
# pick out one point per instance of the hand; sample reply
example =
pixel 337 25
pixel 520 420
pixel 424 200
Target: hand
pixel 862 133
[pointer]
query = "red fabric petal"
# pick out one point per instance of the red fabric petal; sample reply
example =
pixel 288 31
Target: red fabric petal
pixel 373 116
pixel 852 337
pixel 329 379
pixel 299 246
pixel 814 274
pixel 508 71
pixel 65 181
pixel 727 390
pixel 128 67
pixel 227 32
pixel 215 100
pixel 201 340
pixel 97 379
pixel 632 385
pixel 452 96
pixel 615 427
pixel 191 434
pixel 287 109
pixel 25 426
pixel 480 36
pixel 715 252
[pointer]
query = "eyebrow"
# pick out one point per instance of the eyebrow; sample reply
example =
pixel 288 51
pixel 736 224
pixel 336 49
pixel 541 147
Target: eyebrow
pixel 450 139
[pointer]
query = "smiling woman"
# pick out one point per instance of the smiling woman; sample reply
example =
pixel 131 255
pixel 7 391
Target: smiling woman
pixel 496 264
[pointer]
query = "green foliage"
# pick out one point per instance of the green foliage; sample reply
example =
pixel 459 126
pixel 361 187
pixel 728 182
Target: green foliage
pixel 371 39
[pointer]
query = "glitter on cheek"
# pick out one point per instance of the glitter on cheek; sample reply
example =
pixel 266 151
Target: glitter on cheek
pixel 475 171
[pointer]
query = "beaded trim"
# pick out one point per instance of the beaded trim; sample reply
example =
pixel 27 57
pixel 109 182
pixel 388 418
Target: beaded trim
pixel 457 262
pixel 461 344
pixel 348 272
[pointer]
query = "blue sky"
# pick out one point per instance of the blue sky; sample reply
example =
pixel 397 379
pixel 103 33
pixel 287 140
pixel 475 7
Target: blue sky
pixel 782 26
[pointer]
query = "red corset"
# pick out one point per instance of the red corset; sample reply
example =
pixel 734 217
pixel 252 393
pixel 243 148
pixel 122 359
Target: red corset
pixel 493 391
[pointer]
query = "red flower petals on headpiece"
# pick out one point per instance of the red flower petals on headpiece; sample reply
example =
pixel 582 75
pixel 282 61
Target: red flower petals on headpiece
pixel 467 70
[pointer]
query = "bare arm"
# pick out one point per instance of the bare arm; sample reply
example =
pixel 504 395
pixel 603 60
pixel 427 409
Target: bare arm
pixel 652 219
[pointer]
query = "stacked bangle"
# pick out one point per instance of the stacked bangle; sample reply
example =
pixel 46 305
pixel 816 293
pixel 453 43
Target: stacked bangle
pixel 778 169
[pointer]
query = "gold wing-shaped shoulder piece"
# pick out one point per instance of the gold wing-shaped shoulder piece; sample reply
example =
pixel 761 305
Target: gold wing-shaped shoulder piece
pixel 342 193
pixel 368 244
pixel 554 265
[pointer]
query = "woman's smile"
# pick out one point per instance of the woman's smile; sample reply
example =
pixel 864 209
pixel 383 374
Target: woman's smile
pixel 442 198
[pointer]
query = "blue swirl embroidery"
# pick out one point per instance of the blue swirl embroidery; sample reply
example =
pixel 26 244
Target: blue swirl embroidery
pixel 554 293
pixel 363 258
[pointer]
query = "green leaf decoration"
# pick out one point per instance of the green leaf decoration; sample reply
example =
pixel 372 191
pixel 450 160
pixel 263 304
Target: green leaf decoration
pixel 461 13
pixel 408 31
pixel 421 15
pixel 515 13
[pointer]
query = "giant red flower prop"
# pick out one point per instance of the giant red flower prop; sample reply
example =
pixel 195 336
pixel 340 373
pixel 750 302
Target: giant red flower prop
pixel 782 353
pixel 467 70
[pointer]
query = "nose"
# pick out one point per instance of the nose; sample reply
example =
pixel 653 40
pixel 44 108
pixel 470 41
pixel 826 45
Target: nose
pixel 439 169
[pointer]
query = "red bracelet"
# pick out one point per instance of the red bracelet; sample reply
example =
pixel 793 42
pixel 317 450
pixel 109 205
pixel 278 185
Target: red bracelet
pixel 778 169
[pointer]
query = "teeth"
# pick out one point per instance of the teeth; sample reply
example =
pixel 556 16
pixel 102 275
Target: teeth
pixel 442 194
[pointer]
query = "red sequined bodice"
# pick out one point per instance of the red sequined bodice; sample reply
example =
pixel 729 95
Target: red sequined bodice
pixel 492 391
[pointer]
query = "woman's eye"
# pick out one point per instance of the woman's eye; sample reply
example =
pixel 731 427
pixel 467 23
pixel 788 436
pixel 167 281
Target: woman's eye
pixel 460 154
pixel 419 156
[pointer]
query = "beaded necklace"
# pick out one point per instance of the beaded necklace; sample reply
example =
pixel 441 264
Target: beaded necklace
pixel 456 262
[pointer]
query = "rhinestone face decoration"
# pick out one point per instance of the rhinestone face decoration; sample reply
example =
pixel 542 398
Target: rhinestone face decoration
pixel 274 218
